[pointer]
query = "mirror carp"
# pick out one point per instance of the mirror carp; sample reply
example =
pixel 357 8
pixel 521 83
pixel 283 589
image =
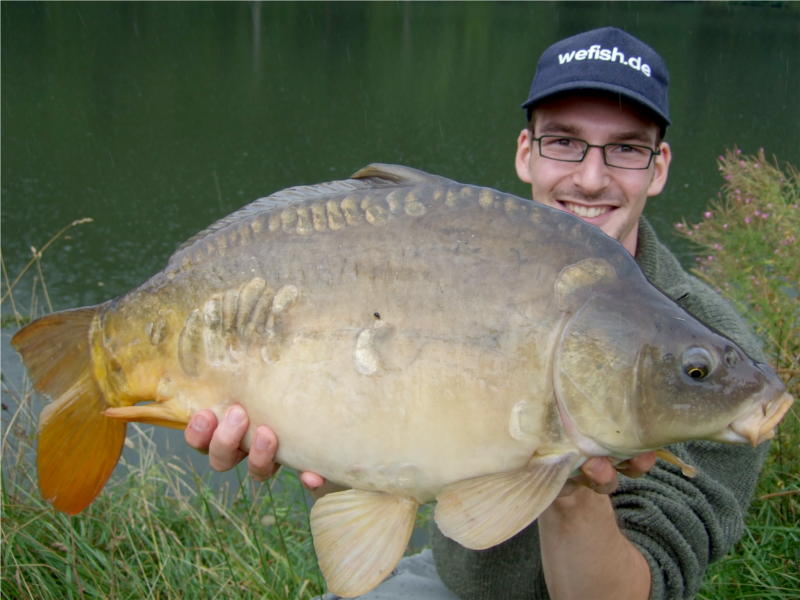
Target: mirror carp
pixel 408 337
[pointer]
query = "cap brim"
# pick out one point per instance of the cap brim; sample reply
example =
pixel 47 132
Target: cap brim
pixel 597 85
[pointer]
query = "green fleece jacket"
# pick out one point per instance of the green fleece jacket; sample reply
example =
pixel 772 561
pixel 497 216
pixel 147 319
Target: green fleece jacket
pixel 680 525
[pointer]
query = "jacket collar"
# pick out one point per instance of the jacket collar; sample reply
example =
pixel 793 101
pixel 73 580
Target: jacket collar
pixel 659 264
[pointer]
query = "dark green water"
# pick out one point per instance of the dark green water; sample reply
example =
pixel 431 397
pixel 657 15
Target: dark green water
pixel 155 119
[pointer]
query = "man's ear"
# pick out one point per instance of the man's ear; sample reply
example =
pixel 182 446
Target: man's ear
pixel 661 170
pixel 522 160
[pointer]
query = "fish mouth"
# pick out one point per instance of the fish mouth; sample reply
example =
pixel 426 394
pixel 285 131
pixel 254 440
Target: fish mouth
pixel 758 425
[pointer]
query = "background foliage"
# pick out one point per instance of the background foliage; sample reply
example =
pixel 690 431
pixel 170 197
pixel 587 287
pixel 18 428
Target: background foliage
pixel 747 244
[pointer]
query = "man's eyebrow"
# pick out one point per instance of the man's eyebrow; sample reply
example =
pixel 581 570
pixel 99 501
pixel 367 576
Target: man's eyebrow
pixel 556 127
pixel 635 135
pixel 631 136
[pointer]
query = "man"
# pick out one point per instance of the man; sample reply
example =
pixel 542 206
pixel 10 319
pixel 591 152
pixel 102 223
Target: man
pixel 597 113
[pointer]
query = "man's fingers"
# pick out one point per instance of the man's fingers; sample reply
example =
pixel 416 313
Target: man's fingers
pixel 637 465
pixel 261 463
pixel 600 475
pixel 312 481
pixel 200 429
pixel 223 451
pixel 222 441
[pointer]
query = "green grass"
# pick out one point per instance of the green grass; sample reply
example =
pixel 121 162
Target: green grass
pixel 160 531
pixel 747 248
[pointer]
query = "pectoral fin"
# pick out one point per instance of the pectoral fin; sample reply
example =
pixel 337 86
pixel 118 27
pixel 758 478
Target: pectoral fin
pixel 166 414
pixel 359 537
pixel 482 512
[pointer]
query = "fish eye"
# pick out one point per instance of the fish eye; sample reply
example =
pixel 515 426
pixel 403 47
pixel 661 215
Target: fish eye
pixel 697 363
pixel 697 371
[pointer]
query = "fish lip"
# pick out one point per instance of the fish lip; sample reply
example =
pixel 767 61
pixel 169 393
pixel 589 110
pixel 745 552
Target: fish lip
pixel 758 424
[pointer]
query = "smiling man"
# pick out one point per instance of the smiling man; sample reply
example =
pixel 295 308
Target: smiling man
pixel 595 157
pixel 593 146
pixel 594 142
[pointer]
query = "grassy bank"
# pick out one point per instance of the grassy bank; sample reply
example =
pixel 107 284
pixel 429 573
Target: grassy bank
pixel 747 247
pixel 159 530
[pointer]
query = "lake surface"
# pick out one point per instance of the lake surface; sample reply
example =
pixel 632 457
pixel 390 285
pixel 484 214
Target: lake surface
pixel 155 119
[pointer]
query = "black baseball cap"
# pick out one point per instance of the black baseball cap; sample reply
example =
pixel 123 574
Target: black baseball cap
pixel 607 59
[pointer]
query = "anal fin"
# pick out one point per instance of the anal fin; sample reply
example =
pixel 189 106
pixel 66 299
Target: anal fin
pixel 484 511
pixel 166 414
pixel 359 537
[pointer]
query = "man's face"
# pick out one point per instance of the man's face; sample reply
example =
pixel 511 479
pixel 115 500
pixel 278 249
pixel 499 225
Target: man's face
pixel 608 197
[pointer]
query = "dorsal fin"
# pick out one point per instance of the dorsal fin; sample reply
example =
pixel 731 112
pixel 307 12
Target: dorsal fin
pixel 397 174
pixel 373 175
pixel 272 203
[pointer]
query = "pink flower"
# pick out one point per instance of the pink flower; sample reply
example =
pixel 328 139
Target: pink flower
pixel 708 214
pixel 765 215
pixel 724 225
pixel 747 220
pixel 679 225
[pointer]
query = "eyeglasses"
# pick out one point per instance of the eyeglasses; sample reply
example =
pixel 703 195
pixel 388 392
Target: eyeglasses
pixel 569 149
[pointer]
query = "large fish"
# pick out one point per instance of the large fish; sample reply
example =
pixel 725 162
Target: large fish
pixel 406 336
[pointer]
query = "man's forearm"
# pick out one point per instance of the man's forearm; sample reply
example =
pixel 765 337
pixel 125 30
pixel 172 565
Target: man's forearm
pixel 584 553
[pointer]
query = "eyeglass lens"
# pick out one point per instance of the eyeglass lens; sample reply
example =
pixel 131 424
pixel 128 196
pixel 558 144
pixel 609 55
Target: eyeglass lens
pixel 625 156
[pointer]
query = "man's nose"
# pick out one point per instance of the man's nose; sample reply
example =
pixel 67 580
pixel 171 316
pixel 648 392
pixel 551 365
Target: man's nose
pixel 591 174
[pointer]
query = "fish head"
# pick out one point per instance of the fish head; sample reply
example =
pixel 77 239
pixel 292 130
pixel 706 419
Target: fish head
pixel 701 385
pixel 633 371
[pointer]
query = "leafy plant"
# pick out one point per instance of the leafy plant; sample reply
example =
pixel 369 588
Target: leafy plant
pixel 747 246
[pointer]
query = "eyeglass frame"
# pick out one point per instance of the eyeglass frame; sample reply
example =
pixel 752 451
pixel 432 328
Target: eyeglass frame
pixel 602 147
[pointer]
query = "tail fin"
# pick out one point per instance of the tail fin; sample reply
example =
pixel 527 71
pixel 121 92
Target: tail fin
pixel 78 446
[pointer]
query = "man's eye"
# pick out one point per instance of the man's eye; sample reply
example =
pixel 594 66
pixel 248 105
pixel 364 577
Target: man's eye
pixel 626 149
pixel 561 142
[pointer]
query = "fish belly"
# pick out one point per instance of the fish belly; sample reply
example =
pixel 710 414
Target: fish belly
pixel 448 415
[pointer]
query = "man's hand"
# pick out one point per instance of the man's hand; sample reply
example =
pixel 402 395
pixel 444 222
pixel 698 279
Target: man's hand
pixel 581 544
pixel 600 474
pixel 222 441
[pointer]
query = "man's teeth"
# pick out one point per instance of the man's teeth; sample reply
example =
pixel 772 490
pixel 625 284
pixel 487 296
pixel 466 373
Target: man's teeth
pixel 588 212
